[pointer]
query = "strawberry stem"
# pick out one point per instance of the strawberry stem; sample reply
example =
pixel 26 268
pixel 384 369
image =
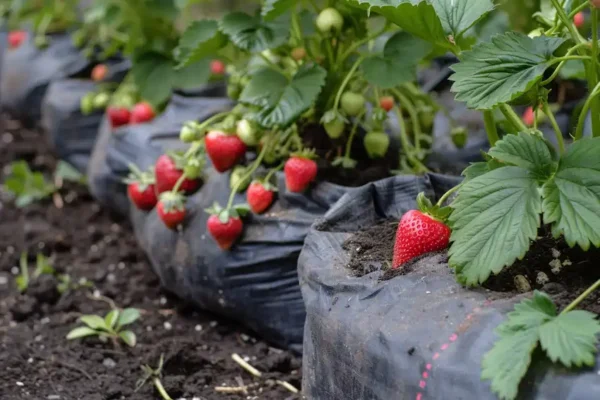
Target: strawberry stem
pixel 414 117
pixel 582 297
pixel 352 134
pixel 250 171
pixel 447 195
pixel 338 97
pixel 273 171
pixel 179 182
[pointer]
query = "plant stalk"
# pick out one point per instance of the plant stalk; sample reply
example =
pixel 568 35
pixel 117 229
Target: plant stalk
pixel 338 96
pixel 584 111
pixel 446 195
pixel 161 389
pixel 414 117
pixel 513 118
pixel 352 134
pixel 490 127
pixel 559 136
pixel 582 297
pixel 595 102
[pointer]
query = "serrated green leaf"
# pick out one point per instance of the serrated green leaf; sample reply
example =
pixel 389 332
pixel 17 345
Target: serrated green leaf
pixel 571 338
pixel 417 17
pixel 572 197
pixel 508 361
pixel 154 77
pixel 527 151
pixel 573 69
pixel 252 34
pixel 495 217
pixel 529 313
pixel 458 16
pixel 111 319
pixel 94 322
pixel 201 39
pixel 399 61
pixel 81 332
pixel 274 8
pixel 128 316
pixel 128 337
pixel 282 101
pixel 192 76
pixel 502 70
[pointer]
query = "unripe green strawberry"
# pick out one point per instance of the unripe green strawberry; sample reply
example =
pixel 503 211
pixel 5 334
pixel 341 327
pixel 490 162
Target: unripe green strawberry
pixel 87 103
pixel 233 91
pixel 335 128
pixel 193 168
pixel 330 21
pixel 189 132
pixel 426 117
pixel 248 132
pixel 239 180
pixel 376 144
pixel 459 136
pixel 353 103
pixel 101 100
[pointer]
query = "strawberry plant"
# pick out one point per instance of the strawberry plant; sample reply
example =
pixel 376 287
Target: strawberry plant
pixel 525 182
pixel 109 327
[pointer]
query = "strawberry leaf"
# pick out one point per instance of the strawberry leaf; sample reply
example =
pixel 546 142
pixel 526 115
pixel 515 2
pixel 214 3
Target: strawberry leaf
pixel 128 337
pixel 274 8
pixel 502 70
pixel 81 332
pixel 571 338
pixel 507 362
pixel 111 319
pixel 398 63
pixel 416 17
pixel 252 34
pixel 94 322
pixel 572 196
pixel 128 316
pixel 282 101
pixel 458 16
pixel 200 40
pixel 495 217
pixel 527 151
pixel 154 76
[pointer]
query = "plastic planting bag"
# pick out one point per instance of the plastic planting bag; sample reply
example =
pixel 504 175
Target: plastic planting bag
pixel 28 70
pixel 71 133
pixel 418 336
pixel 256 282
pixel 142 144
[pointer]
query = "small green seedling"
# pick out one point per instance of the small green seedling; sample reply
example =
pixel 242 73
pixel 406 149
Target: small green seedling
pixel 42 266
pixel 109 327
pixel 66 283
pixel 154 375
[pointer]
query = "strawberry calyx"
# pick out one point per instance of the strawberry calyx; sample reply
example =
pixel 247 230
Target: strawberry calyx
pixel 434 211
pixel 309 154
pixel 172 201
pixel 144 179
pixel 265 184
pixel 224 214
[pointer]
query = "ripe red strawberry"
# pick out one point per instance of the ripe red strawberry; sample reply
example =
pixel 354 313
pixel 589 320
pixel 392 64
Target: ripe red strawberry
pixel 167 174
pixel 15 38
pixel 225 234
pixel 260 196
pixel 224 150
pixel 99 72
pixel 299 173
pixel 142 112
pixel 418 234
pixel 217 67
pixel 387 103
pixel 171 209
pixel 118 116
pixel 143 196
pixel 529 116
pixel 141 188
pixel 579 19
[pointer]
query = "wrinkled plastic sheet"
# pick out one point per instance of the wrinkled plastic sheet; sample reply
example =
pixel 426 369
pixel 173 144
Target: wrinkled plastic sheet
pixel 28 70
pixel 71 133
pixel 415 337
pixel 142 144
pixel 256 282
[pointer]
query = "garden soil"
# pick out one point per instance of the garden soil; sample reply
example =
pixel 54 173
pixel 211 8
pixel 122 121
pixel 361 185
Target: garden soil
pixel 84 241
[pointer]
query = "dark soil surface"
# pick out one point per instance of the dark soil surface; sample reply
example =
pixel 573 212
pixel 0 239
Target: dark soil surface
pixel 83 241
pixel 550 265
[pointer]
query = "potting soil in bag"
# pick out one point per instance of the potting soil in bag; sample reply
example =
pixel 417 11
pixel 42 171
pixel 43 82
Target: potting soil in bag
pixel 28 70
pixel 256 282
pixel 142 144
pixel 417 336
pixel 71 133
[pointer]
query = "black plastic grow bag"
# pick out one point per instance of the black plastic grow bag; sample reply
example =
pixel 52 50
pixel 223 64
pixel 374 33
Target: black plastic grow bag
pixel 142 144
pixel 419 336
pixel 28 70
pixel 71 133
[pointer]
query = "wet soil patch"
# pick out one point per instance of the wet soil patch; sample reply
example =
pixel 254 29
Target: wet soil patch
pixel 84 241
pixel 550 266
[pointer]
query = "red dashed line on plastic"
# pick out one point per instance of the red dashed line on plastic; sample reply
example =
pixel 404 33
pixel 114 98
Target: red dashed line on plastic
pixel 443 347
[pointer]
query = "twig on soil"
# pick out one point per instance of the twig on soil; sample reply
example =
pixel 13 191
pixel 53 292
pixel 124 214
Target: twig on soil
pixel 58 200
pixel 66 365
pixel 232 389
pixel 287 386
pixel 105 299
pixel 245 365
